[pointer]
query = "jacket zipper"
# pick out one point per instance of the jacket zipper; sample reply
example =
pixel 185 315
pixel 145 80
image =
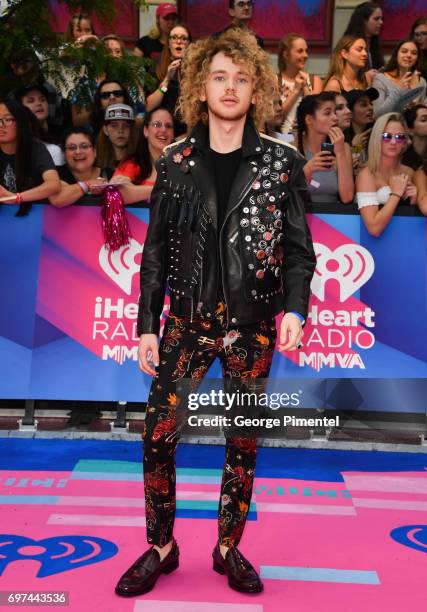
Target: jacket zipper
pixel 233 238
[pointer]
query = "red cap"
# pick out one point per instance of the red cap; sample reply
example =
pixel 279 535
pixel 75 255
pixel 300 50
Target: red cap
pixel 165 9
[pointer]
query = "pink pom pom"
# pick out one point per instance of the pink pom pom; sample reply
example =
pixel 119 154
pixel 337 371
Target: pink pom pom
pixel 115 224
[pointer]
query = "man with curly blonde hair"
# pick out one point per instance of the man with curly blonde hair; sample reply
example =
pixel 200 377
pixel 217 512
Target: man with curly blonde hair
pixel 228 235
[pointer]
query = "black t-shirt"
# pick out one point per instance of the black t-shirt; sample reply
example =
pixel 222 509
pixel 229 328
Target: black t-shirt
pixel 225 167
pixel 67 176
pixel 150 47
pixel 41 161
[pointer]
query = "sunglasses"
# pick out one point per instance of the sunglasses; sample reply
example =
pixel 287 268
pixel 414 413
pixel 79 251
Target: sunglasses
pixel 105 95
pixel 242 4
pixel 82 146
pixel 388 137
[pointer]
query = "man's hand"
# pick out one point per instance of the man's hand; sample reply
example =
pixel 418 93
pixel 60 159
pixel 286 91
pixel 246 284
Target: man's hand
pixel 291 332
pixel 148 353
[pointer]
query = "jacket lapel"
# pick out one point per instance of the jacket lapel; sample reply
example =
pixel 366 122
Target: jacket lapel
pixel 203 175
pixel 252 148
pixel 201 169
pixel 242 181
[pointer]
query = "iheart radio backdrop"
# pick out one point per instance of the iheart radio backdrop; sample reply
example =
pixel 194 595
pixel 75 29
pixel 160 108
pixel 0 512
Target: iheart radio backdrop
pixel 68 312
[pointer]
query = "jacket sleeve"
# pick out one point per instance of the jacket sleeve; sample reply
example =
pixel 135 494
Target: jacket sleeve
pixel 153 272
pixel 389 99
pixel 299 259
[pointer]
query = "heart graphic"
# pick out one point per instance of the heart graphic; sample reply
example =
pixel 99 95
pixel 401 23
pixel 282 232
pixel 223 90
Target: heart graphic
pixel 120 265
pixel 350 264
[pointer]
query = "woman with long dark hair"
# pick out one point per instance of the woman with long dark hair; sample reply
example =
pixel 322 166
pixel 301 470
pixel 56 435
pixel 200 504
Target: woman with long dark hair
pixel 419 33
pixel 138 173
pixel 328 172
pixel 34 97
pixel 357 134
pixel 416 120
pixel 401 84
pixel 366 21
pixel 27 171
pixel 342 111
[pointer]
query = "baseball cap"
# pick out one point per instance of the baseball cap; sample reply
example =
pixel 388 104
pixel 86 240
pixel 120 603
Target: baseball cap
pixel 119 111
pixel 354 95
pixel 22 91
pixel 165 9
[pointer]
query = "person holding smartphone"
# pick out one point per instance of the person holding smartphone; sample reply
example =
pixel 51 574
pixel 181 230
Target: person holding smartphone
pixel 401 85
pixel 328 169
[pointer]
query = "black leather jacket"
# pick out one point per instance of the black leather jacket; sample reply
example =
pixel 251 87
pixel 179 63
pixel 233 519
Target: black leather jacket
pixel 264 246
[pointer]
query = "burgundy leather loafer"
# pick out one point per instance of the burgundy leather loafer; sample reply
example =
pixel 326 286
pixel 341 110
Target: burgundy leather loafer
pixel 241 574
pixel 142 575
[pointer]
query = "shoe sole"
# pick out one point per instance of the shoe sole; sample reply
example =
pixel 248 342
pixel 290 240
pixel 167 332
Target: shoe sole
pixel 167 570
pixel 219 568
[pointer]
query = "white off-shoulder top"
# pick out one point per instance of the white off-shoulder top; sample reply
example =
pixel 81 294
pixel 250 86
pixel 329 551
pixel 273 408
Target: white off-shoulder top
pixel 373 198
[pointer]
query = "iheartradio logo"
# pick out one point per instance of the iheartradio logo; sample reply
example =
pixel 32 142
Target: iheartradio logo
pixel 350 264
pixel 120 265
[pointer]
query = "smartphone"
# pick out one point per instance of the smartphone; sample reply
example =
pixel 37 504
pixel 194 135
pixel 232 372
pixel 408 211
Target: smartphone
pixel 328 147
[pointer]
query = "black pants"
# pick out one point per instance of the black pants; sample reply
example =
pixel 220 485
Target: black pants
pixel 187 350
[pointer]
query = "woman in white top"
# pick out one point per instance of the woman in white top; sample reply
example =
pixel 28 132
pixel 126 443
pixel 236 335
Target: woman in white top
pixel 294 82
pixel 385 181
pixel 401 84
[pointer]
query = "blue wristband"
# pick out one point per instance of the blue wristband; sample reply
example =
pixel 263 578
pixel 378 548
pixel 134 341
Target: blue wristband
pixel 297 314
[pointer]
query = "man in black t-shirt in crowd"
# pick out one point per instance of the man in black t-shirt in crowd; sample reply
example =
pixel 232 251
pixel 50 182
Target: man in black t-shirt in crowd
pixel 240 12
pixel 228 235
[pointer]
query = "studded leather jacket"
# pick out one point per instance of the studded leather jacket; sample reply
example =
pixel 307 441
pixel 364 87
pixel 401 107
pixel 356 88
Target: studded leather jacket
pixel 264 245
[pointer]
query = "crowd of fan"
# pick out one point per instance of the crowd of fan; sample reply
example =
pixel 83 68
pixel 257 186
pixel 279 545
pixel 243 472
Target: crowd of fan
pixel 362 127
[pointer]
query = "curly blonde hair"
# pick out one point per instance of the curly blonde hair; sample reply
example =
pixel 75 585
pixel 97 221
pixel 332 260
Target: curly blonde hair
pixel 242 48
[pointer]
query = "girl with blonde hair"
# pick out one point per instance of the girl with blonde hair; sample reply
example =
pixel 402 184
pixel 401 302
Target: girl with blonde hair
pixel 385 181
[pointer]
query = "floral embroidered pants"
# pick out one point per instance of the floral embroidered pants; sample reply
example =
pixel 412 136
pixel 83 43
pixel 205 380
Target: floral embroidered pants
pixel 187 349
